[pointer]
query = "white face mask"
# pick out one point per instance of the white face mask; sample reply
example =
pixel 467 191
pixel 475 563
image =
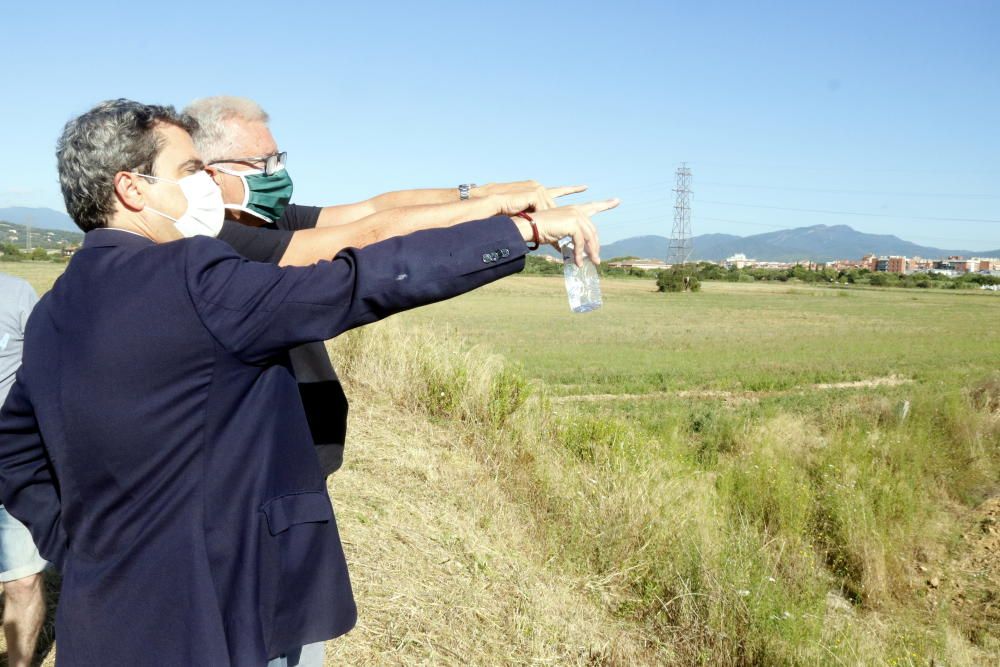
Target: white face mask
pixel 205 209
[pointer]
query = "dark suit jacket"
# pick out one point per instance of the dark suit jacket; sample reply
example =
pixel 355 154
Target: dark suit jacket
pixel 323 396
pixel 156 446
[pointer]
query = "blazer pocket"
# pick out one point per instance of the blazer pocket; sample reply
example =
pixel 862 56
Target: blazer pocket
pixel 285 511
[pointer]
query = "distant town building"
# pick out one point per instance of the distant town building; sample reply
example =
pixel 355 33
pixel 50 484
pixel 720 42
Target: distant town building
pixel 738 261
pixel 891 264
pixel 899 264
pixel 847 264
pixel 951 266
pixel 741 261
pixel 644 264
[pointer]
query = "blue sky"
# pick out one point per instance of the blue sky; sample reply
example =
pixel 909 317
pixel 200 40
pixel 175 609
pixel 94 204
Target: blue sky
pixel 888 109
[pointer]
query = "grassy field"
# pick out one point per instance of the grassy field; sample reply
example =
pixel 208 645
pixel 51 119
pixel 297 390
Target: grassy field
pixel 731 336
pixel 776 473
pixel 652 357
pixel 758 474
pixel 41 275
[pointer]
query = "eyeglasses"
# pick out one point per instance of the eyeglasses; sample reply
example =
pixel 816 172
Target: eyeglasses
pixel 272 163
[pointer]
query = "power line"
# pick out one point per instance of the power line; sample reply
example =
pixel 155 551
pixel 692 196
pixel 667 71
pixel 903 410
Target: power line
pixel 644 202
pixel 942 195
pixel 820 168
pixel 659 185
pixel 745 222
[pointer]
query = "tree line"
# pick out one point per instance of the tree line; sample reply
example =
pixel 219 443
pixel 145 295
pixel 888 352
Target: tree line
pixel 11 253
pixel 669 280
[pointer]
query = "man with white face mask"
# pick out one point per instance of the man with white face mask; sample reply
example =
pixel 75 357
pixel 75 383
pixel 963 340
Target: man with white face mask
pixel 205 209
pixel 154 442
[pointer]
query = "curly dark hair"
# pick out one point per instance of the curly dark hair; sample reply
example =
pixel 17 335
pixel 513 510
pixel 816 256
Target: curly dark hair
pixel 116 135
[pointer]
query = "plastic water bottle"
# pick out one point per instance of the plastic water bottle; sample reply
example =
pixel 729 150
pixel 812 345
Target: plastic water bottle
pixel 583 286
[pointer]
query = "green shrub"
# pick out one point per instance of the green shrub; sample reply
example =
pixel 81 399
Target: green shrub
pixel 677 280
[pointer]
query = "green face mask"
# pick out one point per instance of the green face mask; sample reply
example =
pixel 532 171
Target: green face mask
pixel 263 196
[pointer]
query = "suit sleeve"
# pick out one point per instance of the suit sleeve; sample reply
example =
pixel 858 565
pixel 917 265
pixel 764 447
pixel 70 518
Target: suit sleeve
pixel 27 485
pixel 257 310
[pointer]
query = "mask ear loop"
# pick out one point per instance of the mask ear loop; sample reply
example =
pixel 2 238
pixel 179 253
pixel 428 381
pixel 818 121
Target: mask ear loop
pixel 156 178
pixel 244 207
pixel 242 175
pixel 173 220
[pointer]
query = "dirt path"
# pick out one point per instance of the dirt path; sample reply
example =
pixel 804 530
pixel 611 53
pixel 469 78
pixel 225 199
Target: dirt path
pixel 737 396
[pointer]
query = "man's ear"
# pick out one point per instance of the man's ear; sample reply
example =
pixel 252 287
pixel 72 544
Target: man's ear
pixel 127 191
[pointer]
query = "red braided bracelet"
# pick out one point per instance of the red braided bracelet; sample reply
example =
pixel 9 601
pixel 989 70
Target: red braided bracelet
pixel 534 229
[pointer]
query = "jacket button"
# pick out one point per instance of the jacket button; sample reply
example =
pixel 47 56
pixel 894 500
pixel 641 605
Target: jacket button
pixel 486 258
pixel 504 252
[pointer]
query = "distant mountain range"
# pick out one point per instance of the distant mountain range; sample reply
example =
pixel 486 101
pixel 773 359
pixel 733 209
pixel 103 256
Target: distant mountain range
pixel 819 243
pixel 49 239
pixel 44 218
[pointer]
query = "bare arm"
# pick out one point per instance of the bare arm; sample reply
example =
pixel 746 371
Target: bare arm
pixel 309 246
pixel 348 213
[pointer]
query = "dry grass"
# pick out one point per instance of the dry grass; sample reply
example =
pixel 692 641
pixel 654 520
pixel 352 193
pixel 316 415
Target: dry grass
pixel 443 564
pixel 792 544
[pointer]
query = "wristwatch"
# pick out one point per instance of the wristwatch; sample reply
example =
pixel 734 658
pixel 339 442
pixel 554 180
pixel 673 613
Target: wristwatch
pixel 464 190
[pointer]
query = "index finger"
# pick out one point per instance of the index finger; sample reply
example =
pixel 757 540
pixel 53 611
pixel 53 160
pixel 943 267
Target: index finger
pixel 599 206
pixel 564 190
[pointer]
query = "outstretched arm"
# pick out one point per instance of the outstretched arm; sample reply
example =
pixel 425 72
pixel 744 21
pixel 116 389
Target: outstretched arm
pixel 257 310
pixel 348 213
pixel 309 246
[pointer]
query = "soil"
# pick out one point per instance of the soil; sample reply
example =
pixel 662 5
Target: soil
pixel 970 583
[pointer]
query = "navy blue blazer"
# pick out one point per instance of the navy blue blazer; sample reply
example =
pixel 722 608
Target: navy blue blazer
pixel 156 446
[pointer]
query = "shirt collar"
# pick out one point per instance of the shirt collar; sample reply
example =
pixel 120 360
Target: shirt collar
pixel 105 237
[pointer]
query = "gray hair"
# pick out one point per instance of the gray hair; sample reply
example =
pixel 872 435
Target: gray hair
pixel 213 139
pixel 116 135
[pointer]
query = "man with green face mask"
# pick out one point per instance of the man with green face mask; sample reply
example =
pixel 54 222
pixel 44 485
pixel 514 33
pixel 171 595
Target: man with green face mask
pixel 235 141
pixel 266 190
pixel 242 154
